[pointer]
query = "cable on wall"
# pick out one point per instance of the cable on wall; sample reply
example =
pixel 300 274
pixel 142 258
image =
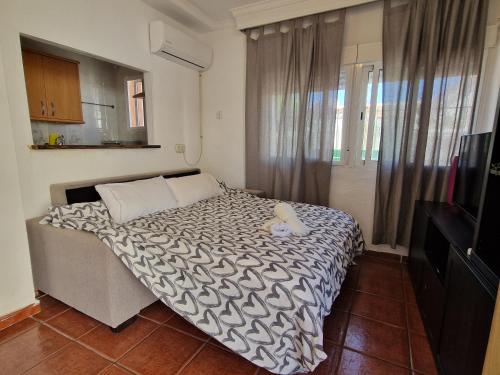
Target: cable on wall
pixel 200 127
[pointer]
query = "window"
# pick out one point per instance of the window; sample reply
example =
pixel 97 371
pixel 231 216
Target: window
pixel 447 109
pixel 359 114
pixel 365 112
pixel 339 136
pixel 371 114
pixel 377 125
pixel 135 95
pixel 281 109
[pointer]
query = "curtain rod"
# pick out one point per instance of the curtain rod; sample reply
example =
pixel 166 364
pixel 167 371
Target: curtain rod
pixel 100 105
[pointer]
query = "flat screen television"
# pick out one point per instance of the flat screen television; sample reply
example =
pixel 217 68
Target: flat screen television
pixel 472 161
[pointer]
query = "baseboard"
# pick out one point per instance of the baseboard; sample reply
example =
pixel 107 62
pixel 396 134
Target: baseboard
pixel 17 316
pixel 384 248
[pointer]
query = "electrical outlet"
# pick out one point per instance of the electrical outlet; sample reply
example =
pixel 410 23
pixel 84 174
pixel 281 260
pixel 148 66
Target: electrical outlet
pixel 180 148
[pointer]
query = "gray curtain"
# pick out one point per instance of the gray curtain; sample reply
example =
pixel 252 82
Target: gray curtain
pixel 291 97
pixel 432 52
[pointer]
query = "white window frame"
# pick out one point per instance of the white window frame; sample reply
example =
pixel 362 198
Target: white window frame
pixel 377 69
pixel 346 128
pixel 357 104
pixel 125 83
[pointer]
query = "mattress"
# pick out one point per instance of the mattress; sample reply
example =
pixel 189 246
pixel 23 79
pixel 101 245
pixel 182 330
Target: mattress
pixel 264 297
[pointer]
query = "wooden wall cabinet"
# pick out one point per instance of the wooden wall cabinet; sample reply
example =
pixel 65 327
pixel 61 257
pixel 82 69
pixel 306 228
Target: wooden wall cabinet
pixel 53 88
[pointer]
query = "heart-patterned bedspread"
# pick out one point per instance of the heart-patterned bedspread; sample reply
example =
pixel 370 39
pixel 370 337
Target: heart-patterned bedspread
pixel 264 297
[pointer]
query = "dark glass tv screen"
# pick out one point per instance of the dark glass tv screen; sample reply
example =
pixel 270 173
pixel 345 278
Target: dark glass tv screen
pixel 472 161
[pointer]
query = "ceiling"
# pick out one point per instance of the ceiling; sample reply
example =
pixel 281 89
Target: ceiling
pixel 208 15
pixel 219 9
pixel 200 15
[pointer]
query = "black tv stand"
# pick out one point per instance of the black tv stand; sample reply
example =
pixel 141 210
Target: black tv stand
pixel 455 299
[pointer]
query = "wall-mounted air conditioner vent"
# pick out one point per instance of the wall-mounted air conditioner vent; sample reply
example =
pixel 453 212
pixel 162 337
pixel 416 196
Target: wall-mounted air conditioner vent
pixel 175 45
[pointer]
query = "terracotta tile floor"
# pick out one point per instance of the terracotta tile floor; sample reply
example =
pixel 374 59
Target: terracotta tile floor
pixel 375 329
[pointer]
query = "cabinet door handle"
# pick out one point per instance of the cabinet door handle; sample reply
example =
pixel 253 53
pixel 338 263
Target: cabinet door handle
pixel 53 108
pixel 43 107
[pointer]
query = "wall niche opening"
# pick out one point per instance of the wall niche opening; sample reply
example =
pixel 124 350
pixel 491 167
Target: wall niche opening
pixel 79 100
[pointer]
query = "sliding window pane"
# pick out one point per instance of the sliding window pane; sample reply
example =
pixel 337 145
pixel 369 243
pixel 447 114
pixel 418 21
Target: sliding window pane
pixel 377 126
pixel 366 114
pixel 339 119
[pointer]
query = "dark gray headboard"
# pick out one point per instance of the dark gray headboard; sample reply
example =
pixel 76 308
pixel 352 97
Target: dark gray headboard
pixel 84 191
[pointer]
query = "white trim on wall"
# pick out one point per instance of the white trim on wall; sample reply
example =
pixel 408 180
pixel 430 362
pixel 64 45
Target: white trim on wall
pixel 265 12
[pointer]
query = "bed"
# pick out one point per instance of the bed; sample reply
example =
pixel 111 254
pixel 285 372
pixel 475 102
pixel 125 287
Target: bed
pixel 263 297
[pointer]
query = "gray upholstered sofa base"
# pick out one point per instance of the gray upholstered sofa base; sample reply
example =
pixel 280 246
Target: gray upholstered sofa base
pixel 81 271
pixel 78 269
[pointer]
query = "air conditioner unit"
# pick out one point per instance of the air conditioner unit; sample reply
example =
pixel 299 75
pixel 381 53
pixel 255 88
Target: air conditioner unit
pixel 175 45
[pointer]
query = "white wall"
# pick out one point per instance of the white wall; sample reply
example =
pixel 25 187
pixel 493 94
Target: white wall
pixel 116 30
pixel 363 24
pixel 16 285
pixel 490 80
pixel 223 89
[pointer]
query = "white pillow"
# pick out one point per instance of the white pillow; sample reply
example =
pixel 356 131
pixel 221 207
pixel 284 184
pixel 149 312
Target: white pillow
pixel 129 200
pixel 191 189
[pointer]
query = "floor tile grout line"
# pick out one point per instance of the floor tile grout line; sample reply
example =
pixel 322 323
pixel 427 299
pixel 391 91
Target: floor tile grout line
pixel 105 368
pixel 379 295
pixel 186 333
pixel 126 368
pixel 45 324
pixel 221 346
pixel 416 333
pixel 154 321
pixel 381 321
pixel 337 365
pixel 72 341
pixel 166 324
pixel 342 344
pixel 376 295
pixel 137 344
pixel 410 349
pixel 397 364
pixel 103 355
pixel 408 333
pixel 87 346
pixel 52 317
pixel 20 333
pixel 112 361
pixel 344 336
pixel 361 352
pixel 190 359
pixel 49 356
pixel 58 330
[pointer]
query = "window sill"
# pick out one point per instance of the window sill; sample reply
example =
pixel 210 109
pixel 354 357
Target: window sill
pixel 87 147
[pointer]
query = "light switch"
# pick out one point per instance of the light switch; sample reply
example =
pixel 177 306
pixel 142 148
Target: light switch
pixel 180 148
pixel 218 115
